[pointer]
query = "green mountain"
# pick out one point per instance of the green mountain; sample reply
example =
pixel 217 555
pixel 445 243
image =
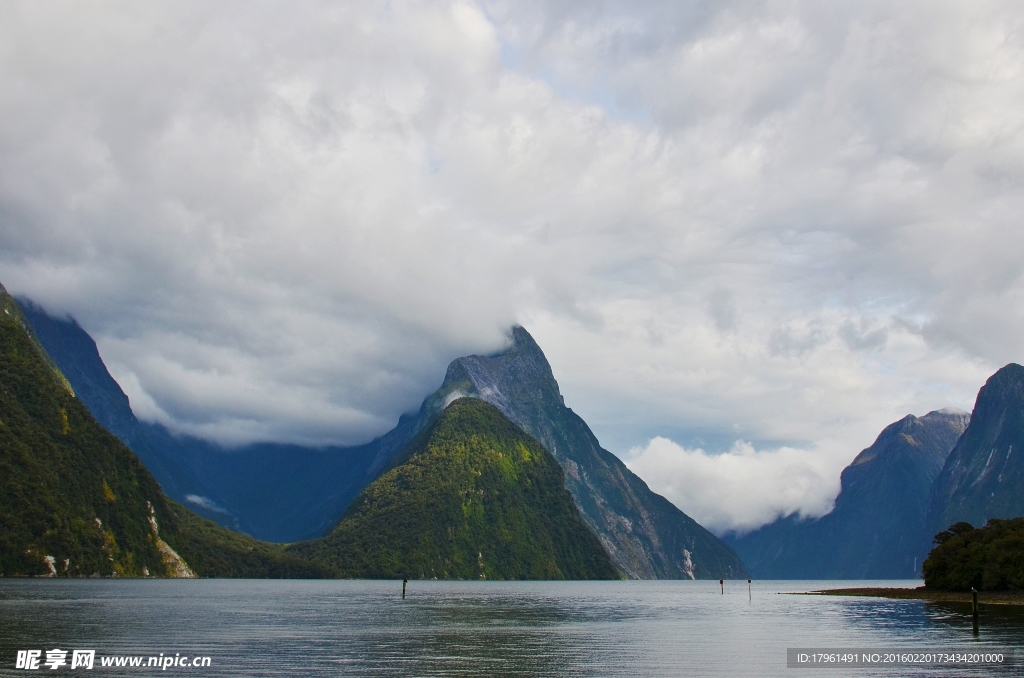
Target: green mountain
pixel 274 492
pixel 877 528
pixel 983 476
pixel 471 497
pixel 990 558
pixel 74 501
pixel 287 493
pixel 646 536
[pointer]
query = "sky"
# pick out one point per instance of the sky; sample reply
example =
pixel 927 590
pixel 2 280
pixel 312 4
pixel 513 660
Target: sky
pixel 747 235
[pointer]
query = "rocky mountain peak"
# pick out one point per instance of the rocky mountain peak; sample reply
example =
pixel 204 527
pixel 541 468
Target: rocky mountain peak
pixel 646 535
pixel 984 475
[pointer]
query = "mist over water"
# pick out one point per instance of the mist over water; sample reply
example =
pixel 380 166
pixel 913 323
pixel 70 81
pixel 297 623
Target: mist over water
pixel 364 628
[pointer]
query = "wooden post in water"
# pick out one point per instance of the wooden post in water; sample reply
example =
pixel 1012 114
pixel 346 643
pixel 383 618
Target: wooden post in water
pixel 974 608
pixel 404 582
pixel 721 582
pixel 750 596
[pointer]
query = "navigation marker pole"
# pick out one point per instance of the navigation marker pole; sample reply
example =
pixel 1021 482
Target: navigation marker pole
pixel 721 582
pixel 749 594
pixel 404 582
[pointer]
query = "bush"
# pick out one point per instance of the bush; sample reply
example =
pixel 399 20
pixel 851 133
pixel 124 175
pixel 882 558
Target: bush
pixel 990 558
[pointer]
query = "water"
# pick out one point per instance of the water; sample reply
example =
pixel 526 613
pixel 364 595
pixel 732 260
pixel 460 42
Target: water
pixel 364 628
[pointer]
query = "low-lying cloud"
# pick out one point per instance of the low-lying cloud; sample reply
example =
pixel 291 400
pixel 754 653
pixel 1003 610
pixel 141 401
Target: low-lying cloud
pixel 741 489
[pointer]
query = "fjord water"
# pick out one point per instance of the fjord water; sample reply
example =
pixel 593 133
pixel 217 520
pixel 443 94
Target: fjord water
pixel 365 628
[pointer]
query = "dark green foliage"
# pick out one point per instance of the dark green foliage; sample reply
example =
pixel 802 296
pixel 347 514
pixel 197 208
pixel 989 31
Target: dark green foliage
pixel 60 473
pixel 275 492
pixel 474 498
pixel 989 559
pixel 646 536
pixel 72 491
pixel 212 551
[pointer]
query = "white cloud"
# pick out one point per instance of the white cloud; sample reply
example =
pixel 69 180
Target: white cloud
pixel 782 223
pixel 743 488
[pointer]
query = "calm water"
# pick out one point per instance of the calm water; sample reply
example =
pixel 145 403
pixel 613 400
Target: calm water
pixel 364 628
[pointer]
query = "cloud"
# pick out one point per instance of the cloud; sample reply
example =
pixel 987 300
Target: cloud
pixel 205 502
pixel 741 489
pixel 778 223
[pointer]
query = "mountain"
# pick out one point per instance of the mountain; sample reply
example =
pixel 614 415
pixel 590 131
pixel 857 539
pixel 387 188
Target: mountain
pixel 983 477
pixel 472 497
pixel 276 492
pixel 645 534
pixel 289 493
pixel 76 501
pixel 877 529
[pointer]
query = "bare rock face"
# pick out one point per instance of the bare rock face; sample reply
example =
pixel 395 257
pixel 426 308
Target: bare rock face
pixel 983 476
pixel 645 534
pixel 877 529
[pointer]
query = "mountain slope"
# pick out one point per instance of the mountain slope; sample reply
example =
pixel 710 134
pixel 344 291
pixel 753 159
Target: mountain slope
pixel 281 493
pixel 877 528
pixel 645 534
pixel 984 474
pixel 75 501
pixel 473 497
pixel 289 493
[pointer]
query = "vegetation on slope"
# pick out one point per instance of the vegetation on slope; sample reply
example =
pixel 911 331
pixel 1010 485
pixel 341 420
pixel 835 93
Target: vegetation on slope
pixel 214 551
pixel 990 558
pixel 646 536
pixel 75 501
pixel 472 498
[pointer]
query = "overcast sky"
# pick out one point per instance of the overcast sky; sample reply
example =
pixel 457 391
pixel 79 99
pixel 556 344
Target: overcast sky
pixel 748 235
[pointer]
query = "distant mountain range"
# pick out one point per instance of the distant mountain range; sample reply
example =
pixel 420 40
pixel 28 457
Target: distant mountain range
pixel 877 529
pixel 275 492
pixel 921 476
pixel 290 493
pixel 471 497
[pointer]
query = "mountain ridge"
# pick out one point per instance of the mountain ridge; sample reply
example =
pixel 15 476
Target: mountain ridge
pixel 287 493
pixel 647 536
pixel 877 528
pixel 76 501
pixel 983 477
pixel 290 493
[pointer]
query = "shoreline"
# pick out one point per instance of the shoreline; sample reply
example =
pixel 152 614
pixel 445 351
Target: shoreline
pixel 1014 598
